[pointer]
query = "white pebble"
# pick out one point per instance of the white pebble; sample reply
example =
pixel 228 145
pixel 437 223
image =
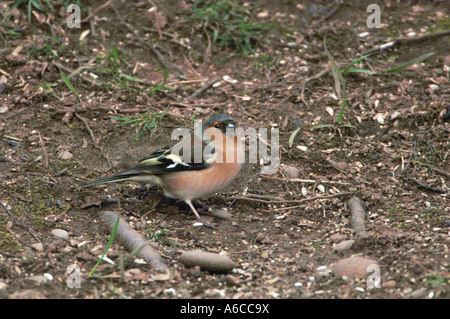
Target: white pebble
pixel 60 233
pixel 48 276
pixel 321 188
pixel 304 191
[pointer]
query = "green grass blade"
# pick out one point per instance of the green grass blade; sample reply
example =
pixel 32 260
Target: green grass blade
pixel 293 135
pixel 339 78
pixel 408 64
pixel 357 61
pixel 341 112
pixel 69 85
pixel 111 238
pixel 37 5
pixel 356 70
pixel 319 126
pixel 115 58
pixel 160 86
pixel 100 68
pixel 29 10
pixel 131 78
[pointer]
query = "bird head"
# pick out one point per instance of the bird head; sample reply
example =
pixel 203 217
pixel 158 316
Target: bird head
pixel 222 122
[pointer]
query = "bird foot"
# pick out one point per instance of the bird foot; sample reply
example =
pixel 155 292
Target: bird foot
pixel 206 223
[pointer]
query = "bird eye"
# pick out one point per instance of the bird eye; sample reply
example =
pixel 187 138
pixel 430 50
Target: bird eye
pixel 217 126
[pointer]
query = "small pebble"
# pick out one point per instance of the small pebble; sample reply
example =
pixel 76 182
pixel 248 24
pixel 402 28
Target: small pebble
pixel 417 294
pixel 353 266
pixel 39 279
pixel 206 260
pixel 233 281
pixel 291 171
pixel 389 284
pixel 65 155
pixel 169 291
pixel 38 246
pixel 215 293
pixel 260 237
pixel 3 286
pixel 27 294
pixel 14 143
pixel 221 214
pixel 60 233
pixel 344 245
pixel 338 237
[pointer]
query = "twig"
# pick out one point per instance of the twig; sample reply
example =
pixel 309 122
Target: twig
pixel 156 18
pixel 172 37
pixel 196 105
pixel 4 72
pixel 308 181
pixel 332 12
pixel 133 240
pixel 358 217
pixel 208 48
pixel 41 141
pixel 426 186
pixel 314 77
pixel 86 124
pixel 19 222
pixel 147 44
pixel 440 171
pixel 74 72
pixel 91 15
pixel 63 43
pixel 60 173
pixel 268 197
pixel 299 201
pixel 413 153
pixel 202 89
pixel 100 107
pixel 91 24
pixel 186 82
pixel 23 110
pixel 400 40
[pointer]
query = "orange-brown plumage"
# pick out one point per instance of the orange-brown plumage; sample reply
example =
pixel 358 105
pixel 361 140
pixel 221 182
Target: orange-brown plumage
pixel 187 181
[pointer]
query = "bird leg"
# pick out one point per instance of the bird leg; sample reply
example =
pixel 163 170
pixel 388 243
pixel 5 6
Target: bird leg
pixel 208 224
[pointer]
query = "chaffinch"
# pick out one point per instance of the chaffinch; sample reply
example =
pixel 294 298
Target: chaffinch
pixel 210 161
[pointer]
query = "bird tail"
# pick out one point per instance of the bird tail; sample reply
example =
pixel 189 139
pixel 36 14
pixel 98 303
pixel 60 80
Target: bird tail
pixel 123 176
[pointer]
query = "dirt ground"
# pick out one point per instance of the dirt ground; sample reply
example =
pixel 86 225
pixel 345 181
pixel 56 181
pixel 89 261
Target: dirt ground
pixel 391 150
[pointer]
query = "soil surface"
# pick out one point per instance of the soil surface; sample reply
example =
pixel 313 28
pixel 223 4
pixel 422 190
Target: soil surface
pixel 390 151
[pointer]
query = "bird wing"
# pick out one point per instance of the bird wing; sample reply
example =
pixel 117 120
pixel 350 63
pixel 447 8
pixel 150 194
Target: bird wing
pixel 163 161
pixel 160 162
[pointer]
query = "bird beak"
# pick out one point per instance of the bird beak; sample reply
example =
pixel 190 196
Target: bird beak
pixel 230 129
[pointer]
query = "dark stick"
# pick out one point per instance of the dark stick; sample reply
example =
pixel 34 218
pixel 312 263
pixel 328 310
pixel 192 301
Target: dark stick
pixel 202 89
pixel 133 240
pixel 358 217
pixel 298 201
